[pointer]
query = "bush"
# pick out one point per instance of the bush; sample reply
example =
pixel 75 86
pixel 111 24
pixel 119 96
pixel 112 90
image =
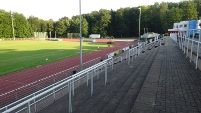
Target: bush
pixel 116 52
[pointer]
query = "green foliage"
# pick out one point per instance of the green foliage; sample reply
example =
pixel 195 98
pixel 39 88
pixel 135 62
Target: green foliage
pixel 50 27
pixel 123 22
pixel 34 23
pixel 75 25
pixel 189 10
pixel 37 25
pixel 99 22
pixel 5 24
pixel 116 52
pixel 62 27
pixel 21 25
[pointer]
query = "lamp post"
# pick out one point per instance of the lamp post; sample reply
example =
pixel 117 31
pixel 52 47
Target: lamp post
pixel 55 34
pixel 80 36
pixel 13 30
pixel 139 22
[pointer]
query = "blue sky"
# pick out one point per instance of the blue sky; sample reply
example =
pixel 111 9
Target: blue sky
pixel 55 9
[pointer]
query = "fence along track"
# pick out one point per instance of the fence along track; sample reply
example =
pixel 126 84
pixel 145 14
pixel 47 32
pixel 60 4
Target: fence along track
pixel 34 102
pixel 31 103
pixel 40 85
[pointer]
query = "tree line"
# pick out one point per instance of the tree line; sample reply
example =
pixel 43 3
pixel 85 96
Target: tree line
pixel 123 22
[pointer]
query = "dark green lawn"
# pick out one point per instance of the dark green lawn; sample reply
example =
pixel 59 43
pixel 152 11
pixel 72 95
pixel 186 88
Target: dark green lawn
pixel 21 55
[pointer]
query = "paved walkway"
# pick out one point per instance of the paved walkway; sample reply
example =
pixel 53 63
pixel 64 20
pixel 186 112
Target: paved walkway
pixel 173 84
pixel 161 80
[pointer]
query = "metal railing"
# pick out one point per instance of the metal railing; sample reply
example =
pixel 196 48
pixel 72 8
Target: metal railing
pixel 30 105
pixel 25 90
pixel 42 98
pixel 134 52
pixel 190 44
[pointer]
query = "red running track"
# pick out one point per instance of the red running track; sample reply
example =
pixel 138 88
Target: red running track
pixel 19 79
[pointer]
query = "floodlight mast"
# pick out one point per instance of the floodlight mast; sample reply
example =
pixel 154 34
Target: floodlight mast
pixel 80 36
pixel 139 22
pixel 55 34
pixel 13 30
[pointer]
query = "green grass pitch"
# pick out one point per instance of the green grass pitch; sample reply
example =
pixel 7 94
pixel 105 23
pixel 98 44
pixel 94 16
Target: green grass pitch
pixel 21 55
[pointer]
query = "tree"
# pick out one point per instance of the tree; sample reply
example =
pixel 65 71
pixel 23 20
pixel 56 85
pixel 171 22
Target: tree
pixel 163 16
pixel 189 9
pixel 100 21
pixel 62 26
pixel 198 2
pixel 112 24
pixel 75 25
pixel 34 23
pixel 43 26
pixel 21 25
pixel 121 23
pixel 5 24
pixel 121 27
pixel 50 27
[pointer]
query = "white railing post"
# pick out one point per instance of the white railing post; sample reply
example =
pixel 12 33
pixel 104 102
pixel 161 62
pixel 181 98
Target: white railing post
pixel 192 44
pixel 128 56
pixel 70 97
pixel 139 50
pixel 92 76
pixel 54 95
pixel 160 42
pixel 188 44
pixel 73 85
pixel 185 42
pixel 34 103
pixel 112 63
pixel 106 73
pixel 198 50
pixel 133 54
pixel 180 41
pixel 96 73
pixel 28 108
pixel 87 78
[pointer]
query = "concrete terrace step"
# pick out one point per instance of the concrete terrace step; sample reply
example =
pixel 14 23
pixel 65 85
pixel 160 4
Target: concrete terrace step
pixel 129 99
pixel 124 83
pixel 118 89
pixel 161 80
pixel 146 98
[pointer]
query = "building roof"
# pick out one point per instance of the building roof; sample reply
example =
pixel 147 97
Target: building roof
pixel 173 30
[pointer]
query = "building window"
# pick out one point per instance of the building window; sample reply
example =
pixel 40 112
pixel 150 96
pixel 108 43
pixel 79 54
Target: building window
pixel 185 25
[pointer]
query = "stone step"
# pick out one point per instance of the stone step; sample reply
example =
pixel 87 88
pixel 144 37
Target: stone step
pixel 120 79
pixel 109 99
pixel 128 101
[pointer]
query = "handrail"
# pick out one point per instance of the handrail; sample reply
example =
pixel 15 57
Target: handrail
pixel 69 81
pixel 12 104
pixel 184 37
